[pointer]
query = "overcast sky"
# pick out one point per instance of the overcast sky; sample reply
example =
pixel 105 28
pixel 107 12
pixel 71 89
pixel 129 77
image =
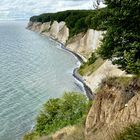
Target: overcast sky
pixel 23 9
pixel 26 8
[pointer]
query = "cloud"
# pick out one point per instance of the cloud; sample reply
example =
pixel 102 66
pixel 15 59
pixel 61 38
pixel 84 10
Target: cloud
pixel 16 9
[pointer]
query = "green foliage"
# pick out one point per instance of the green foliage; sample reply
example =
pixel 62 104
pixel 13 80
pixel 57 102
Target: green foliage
pixel 92 59
pixel 93 63
pixel 30 136
pixel 76 20
pixel 130 133
pixel 121 43
pixel 98 19
pixel 58 113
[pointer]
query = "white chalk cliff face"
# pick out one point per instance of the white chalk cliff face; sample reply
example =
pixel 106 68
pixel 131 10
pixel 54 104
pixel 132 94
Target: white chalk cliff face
pixel 85 43
pixel 58 31
pixel 82 44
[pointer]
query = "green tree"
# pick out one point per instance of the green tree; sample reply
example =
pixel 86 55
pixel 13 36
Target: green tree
pixel 92 59
pixel 121 43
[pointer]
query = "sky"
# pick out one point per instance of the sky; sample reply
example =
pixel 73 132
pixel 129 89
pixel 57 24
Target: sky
pixel 23 9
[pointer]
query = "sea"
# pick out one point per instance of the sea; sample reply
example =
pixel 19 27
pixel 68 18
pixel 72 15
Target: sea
pixel 33 69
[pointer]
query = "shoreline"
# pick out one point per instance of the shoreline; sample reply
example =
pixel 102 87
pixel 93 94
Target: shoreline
pixel 75 74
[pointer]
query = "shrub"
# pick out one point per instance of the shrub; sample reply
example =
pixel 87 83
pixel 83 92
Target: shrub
pixel 60 112
pixel 92 59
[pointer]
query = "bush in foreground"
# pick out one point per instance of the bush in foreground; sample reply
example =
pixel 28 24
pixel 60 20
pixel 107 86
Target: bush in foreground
pixel 60 112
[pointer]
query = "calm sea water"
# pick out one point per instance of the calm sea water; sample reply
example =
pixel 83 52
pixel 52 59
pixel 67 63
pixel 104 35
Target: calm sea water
pixel 33 69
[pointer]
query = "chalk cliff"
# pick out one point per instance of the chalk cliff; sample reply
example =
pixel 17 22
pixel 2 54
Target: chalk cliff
pixel 82 44
pixel 58 31
pixel 85 43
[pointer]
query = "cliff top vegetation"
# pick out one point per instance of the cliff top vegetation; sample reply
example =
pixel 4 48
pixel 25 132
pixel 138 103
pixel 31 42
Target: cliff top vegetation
pixel 76 20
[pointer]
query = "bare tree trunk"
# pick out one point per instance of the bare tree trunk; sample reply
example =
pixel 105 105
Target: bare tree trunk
pixel 96 3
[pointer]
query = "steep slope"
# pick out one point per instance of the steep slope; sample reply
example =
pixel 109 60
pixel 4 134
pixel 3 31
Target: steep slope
pixel 117 105
pixel 85 43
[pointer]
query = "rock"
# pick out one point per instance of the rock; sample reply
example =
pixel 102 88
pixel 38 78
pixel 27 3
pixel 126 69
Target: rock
pixel 85 43
pixel 45 27
pixel 34 26
pixel 111 112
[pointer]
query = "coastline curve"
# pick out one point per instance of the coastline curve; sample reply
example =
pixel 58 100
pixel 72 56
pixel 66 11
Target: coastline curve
pixel 77 76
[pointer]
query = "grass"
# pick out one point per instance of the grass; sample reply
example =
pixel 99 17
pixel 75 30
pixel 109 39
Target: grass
pixel 87 69
pixel 46 30
pixel 130 133
pixel 121 82
pixel 78 134
pixel 31 136
pixel 75 132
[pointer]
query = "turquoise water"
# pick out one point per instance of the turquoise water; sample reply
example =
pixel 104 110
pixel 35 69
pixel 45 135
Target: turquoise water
pixel 33 69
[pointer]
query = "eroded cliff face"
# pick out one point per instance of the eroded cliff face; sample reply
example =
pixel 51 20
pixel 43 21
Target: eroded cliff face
pixel 57 31
pixel 116 106
pixel 83 44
